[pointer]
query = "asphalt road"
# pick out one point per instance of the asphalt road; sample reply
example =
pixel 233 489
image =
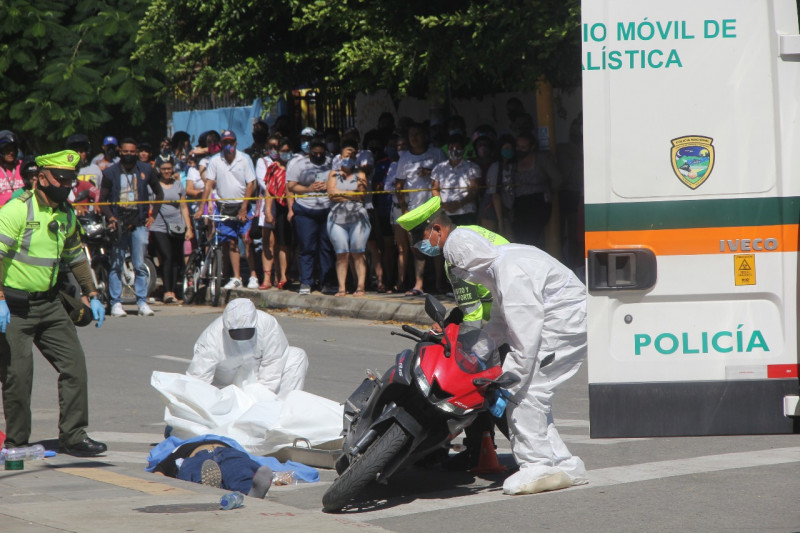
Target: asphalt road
pixel 734 483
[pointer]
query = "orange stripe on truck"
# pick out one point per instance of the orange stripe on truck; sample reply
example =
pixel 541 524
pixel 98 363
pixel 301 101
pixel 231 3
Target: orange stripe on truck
pixel 700 241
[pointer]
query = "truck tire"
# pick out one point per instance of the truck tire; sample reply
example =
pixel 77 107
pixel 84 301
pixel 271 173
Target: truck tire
pixel 364 469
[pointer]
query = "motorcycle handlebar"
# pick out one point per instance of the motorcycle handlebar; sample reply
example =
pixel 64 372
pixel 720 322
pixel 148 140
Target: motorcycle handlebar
pixel 414 331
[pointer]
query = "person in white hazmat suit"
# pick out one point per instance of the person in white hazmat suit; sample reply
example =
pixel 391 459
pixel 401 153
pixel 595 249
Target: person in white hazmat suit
pixel 540 311
pixel 247 345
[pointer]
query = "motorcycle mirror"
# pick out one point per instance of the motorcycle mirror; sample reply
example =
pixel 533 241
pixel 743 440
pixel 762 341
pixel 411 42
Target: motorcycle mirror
pixel 83 195
pixel 507 380
pixel 434 309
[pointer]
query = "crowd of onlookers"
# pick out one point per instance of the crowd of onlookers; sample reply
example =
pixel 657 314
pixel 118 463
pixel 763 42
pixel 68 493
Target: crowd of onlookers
pixel 319 210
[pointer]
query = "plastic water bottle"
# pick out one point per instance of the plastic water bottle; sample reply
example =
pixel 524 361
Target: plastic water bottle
pixel 25 453
pixel 231 500
pixel 14 458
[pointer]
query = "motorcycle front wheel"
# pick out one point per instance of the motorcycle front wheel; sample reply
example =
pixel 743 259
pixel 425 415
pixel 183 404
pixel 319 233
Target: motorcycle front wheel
pixel 101 281
pixel 128 279
pixel 364 469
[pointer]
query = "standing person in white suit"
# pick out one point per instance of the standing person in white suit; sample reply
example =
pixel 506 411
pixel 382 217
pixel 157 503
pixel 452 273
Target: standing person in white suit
pixel 540 311
pixel 247 345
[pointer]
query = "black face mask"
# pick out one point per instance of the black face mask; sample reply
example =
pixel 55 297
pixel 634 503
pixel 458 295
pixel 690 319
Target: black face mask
pixel 111 153
pixel 128 160
pixel 316 159
pixel 56 194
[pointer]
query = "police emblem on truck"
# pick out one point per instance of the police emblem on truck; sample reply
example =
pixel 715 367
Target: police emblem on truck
pixel 692 159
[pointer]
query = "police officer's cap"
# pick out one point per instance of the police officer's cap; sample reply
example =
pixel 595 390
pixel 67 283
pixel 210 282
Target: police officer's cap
pixel 62 164
pixel 421 214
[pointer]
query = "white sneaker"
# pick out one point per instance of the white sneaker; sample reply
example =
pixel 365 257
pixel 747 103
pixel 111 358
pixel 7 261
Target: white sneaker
pixel 304 289
pixel 234 283
pixel 252 283
pixel 117 310
pixel 144 310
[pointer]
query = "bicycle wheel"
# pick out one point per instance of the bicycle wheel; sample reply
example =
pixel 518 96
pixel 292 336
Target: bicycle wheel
pixel 216 277
pixel 191 277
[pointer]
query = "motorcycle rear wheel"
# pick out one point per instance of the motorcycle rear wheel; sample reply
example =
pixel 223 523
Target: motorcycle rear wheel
pixel 364 469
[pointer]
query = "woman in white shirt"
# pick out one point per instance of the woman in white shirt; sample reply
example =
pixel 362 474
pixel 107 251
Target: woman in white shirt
pixel 414 172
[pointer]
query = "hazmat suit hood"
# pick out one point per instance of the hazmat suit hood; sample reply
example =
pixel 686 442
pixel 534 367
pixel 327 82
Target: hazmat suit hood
pixel 471 256
pixel 241 356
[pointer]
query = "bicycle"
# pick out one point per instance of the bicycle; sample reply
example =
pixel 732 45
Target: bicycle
pixel 205 268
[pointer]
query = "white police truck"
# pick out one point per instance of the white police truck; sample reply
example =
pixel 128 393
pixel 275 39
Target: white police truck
pixel 692 183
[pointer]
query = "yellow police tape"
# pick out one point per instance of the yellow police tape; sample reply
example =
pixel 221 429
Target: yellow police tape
pixel 256 198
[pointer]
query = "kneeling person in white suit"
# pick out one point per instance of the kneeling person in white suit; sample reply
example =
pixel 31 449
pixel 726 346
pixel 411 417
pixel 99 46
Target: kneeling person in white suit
pixel 247 345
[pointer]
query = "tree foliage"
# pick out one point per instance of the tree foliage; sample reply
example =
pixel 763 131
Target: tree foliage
pixel 461 47
pixel 223 47
pixel 417 47
pixel 66 67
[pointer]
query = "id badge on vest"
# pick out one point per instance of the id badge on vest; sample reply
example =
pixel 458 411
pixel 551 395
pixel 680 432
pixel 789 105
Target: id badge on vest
pixel 131 196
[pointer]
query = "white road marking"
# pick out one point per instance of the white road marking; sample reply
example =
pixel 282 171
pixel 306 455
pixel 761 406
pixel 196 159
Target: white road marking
pixel 134 438
pixel 571 423
pixel 172 358
pixel 585 439
pixel 602 478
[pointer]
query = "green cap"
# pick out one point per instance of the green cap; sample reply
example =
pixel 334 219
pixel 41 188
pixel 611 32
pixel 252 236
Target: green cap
pixel 63 160
pixel 62 164
pixel 420 214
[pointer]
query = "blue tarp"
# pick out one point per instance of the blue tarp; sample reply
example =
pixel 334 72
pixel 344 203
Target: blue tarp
pixel 238 119
pixel 167 446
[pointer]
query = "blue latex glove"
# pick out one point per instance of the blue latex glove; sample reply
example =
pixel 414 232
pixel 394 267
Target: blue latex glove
pixel 5 316
pixel 98 311
pixel 499 402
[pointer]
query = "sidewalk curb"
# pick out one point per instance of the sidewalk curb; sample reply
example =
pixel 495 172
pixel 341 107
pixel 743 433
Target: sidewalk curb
pixel 367 308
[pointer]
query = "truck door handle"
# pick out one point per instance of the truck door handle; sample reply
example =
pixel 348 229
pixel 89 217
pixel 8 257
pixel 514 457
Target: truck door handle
pixel 789 46
pixel 622 269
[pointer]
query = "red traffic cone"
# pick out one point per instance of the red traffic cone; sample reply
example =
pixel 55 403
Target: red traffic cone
pixel 487 461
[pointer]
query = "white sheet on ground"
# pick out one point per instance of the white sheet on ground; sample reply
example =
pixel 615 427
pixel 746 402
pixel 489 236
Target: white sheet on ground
pixel 261 421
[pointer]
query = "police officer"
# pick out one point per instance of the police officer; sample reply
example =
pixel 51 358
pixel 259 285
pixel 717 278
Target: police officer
pixel 474 303
pixel 37 230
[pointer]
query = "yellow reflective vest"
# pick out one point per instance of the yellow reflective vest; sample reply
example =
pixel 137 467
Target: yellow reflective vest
pixel 33 239
pixel 474 300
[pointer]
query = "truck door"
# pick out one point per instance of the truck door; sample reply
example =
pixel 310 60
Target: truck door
pixel 692 180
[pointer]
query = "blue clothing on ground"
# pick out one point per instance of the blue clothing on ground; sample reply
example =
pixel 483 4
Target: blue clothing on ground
pixel 237 468
pixel 167 446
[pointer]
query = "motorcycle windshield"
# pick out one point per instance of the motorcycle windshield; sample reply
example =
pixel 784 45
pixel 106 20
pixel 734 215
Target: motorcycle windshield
pixel 475 351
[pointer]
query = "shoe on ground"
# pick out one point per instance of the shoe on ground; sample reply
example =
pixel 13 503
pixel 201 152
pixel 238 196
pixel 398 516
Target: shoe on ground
pixel 252 283
pixel 536 479
pixel 304 289
pixel 144 310
pixel 210 474
pixel 85 448
pixel 117 310
pixel 330 290
pixel 233 283
pixel 262 480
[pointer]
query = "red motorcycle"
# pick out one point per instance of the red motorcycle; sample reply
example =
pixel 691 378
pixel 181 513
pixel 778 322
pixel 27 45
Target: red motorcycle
pixel 417 407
